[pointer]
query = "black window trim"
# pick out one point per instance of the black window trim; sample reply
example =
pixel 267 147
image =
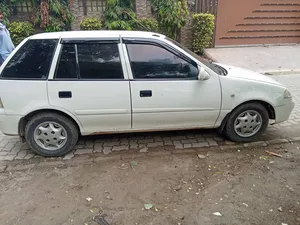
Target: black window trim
pixel 77 62
pixel 90 40
pixel 75 42
pixel 158 43
pixel 34 79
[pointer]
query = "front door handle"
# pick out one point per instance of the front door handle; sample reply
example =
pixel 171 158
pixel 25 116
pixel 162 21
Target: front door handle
pixel 145 93
pixel 65 94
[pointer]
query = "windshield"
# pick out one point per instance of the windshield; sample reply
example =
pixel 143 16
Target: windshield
pixel 216 68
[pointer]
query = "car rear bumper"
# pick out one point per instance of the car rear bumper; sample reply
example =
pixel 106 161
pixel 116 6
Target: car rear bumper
pixel 282 113
pixel 9 124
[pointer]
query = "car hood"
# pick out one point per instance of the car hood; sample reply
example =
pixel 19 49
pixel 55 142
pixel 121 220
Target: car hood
pixel 241 73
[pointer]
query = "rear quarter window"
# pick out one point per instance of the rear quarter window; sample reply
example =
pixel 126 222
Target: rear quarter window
pixel 31 61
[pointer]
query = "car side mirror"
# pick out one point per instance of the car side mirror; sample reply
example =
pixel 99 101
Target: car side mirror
pixel 203 74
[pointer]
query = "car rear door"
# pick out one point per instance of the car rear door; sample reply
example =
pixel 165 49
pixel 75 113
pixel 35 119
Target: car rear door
pixel 165 90
pixel 89 83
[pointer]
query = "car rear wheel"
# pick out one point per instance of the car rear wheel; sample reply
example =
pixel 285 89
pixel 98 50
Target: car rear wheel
pixel 51 134
pixel 247 122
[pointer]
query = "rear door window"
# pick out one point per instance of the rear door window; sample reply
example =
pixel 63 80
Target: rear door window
pixel 99 61
pixel 32 61
pixel 90 61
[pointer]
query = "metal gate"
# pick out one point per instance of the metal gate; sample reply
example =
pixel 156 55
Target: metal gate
pixel 207 6
pixel 245 22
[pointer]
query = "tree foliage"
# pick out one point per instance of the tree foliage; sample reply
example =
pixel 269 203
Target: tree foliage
pixel 51 15
pixel 171 16
pixel 119 15
pixel 6 11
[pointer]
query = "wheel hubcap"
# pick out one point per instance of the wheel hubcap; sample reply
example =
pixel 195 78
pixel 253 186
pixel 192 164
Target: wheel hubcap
pixel 248 123
pixel 50 136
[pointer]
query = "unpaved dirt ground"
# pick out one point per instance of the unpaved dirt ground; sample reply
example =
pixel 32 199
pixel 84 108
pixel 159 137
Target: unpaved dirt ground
pixel 245 186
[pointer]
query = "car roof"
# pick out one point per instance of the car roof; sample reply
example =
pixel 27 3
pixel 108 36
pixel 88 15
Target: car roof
pixel 96 34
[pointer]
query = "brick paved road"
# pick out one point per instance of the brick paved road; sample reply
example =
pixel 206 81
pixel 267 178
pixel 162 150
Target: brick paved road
pixel 11 148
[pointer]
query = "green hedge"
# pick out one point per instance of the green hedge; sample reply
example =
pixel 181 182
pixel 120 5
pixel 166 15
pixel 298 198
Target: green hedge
pixel 90 23
pixel 203 24
pixel 146 24
pixel 19 31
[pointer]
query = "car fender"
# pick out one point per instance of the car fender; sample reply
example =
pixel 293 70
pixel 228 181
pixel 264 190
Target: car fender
pixel 238 91
pixel 45 108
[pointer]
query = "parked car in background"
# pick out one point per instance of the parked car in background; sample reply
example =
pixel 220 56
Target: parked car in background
pixel 55 87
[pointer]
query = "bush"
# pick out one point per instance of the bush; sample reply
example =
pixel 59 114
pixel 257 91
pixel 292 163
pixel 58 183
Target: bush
pixel 19 31
pixel 203 24
pixel 54 25
pixel 146 24
pixel 90 23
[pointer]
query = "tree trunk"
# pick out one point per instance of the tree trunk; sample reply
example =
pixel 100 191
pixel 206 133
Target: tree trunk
pixel 44 7
pixel 84 7
pixel 178 35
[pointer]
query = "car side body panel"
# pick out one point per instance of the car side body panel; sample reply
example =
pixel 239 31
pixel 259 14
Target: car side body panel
pixel 21 96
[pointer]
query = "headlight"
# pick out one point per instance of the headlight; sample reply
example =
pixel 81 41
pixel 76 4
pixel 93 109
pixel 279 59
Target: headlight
pixel 287 94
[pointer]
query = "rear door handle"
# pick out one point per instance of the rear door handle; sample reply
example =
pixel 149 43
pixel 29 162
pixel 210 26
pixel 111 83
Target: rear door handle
pixel 145 93
pixel 65 94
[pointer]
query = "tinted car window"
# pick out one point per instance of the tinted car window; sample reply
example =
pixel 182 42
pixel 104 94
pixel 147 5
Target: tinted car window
pixel 216 68
pixel 99 61
pixel 66 68
pixel 32 61
pixel 152 62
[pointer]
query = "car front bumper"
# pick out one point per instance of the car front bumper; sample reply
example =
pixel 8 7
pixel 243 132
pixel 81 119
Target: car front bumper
pixel 9 123
pixel 282 113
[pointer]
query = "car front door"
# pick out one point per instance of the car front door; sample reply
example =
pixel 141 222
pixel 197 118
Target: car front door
pixel 89 83
pixel 165 90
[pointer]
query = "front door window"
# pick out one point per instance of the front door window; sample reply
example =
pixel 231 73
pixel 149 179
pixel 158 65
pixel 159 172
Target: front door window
pixel 154 62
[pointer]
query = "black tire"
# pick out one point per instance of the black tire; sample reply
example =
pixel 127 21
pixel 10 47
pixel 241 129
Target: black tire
pixel 65 122
pixel 229 130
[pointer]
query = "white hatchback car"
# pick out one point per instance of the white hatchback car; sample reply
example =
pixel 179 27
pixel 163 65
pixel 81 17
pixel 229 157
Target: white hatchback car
pixel 57 86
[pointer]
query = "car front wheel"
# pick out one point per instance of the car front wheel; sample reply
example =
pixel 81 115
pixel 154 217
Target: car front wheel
pixel 51 134
pixel 247 122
